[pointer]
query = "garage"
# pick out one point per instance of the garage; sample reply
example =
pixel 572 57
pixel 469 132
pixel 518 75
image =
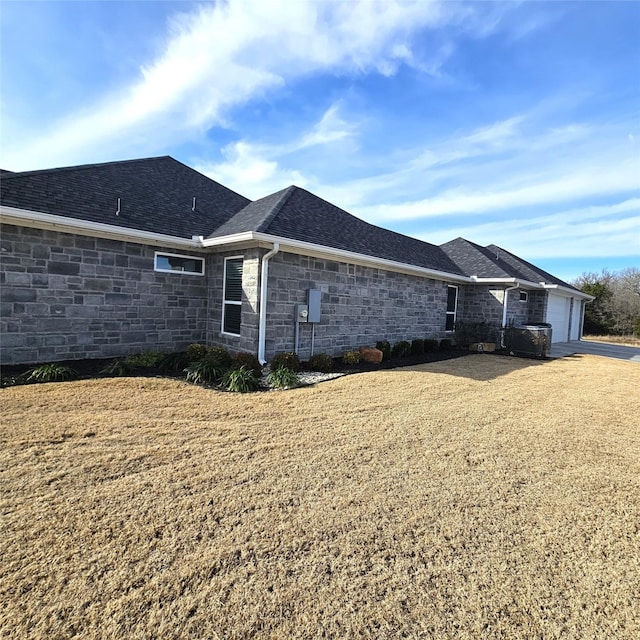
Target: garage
pixel 558 314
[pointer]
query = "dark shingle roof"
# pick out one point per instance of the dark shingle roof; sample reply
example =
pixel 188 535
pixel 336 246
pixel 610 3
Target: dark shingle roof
pixel 529 271
pixel 494 262
pixel 255 216
pixel 300 215
pixel 156 195
pixel 474 260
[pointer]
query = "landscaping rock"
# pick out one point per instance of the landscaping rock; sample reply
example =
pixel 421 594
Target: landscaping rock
pixel 483 347
pixel 370 354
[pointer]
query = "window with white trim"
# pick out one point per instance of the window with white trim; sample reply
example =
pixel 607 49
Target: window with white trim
pixel 524 296
pixel 452 307
pixel 232 295
pixel 173 262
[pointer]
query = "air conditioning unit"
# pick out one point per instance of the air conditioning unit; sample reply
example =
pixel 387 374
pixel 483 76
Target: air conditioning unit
pixel 530 340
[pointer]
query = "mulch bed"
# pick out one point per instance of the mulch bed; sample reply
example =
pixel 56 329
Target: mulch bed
pixel 394 363
pixel 11 375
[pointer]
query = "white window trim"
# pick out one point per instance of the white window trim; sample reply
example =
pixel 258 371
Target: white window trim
pixel 526 296
pixel 225 302
pixel 177 255
pixel 455 310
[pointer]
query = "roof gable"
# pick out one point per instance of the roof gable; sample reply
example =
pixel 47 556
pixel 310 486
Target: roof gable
pixel 297 214
pixel 525 269
pixel 156 195
pixel 494 262
pixel 474 260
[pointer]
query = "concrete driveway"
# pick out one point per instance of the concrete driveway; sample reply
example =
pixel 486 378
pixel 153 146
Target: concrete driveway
pixel 561 349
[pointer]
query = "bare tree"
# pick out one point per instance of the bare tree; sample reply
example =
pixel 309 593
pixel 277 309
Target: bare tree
pixel 616 308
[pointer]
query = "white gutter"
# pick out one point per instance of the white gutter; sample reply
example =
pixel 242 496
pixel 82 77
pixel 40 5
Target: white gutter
pixel 521 283
pixel 262 326
pixel 570 293
pixel 24 217
pixel 330 253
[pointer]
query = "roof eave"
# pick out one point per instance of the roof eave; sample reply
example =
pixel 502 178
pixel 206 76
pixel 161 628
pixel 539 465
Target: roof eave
pixel 567 291
pixel 49 221
pixel 331 253
pixel 513 281
pixel 572 293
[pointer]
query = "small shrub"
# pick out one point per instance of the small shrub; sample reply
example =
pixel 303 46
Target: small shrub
pixel 446 344
pixel 321 362
pixel 401 349
pixel 240 380
pixel 249 361
pixel 205 371
pixel 287 360
pixel 196 351
pixel 145 359
pixel 467 332
pixel 220 356
pixel 351 357
pixel 417 347
pixel 127 365
pixel 283 378
pixel 50 373
pixel 173 362
pixel 385 347
pixel 121 367
pixel 431 345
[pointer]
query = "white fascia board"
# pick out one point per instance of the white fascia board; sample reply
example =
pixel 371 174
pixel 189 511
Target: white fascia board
pixel 329 253
pixel 512 281
pixel 568 293
pixel 39 220
pixel 557 288
pixel 247 236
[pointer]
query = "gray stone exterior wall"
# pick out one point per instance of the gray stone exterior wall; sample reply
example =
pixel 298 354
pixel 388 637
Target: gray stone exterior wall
pixel 360 305
pixel 517 311
pixel 248 339
pixel 480 303
pixel 537 306
pixel 68 297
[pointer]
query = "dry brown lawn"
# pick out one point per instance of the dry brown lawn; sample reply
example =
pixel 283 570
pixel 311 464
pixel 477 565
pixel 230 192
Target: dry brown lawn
pixel 483 497
pixel 627 341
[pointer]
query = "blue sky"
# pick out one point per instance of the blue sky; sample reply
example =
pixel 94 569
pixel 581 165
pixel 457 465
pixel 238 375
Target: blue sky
pixel 511 123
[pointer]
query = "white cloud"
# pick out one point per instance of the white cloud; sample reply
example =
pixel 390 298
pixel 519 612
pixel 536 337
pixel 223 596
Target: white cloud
pixel 572 184
pixel 250 170
pixel 223 55
pixel 611 229
pixel 257 169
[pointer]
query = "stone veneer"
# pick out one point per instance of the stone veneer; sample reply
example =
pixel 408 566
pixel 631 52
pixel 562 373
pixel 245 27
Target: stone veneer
pixel 479 303
pixel 248 338
pixel 360 305
pixel 68 297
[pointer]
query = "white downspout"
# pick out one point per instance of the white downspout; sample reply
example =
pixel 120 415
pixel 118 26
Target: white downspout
pixel 262 327
pixel 504 310
pixel 506 300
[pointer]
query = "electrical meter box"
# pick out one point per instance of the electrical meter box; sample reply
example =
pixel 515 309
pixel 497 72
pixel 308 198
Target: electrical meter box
pixel 315 296
pixel 302 313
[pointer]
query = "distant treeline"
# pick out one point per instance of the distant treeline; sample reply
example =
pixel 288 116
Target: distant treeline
pixel 616 308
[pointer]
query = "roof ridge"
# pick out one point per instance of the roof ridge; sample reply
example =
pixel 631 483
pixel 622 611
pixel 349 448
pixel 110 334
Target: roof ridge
pixel 277 207
pixel 78 167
